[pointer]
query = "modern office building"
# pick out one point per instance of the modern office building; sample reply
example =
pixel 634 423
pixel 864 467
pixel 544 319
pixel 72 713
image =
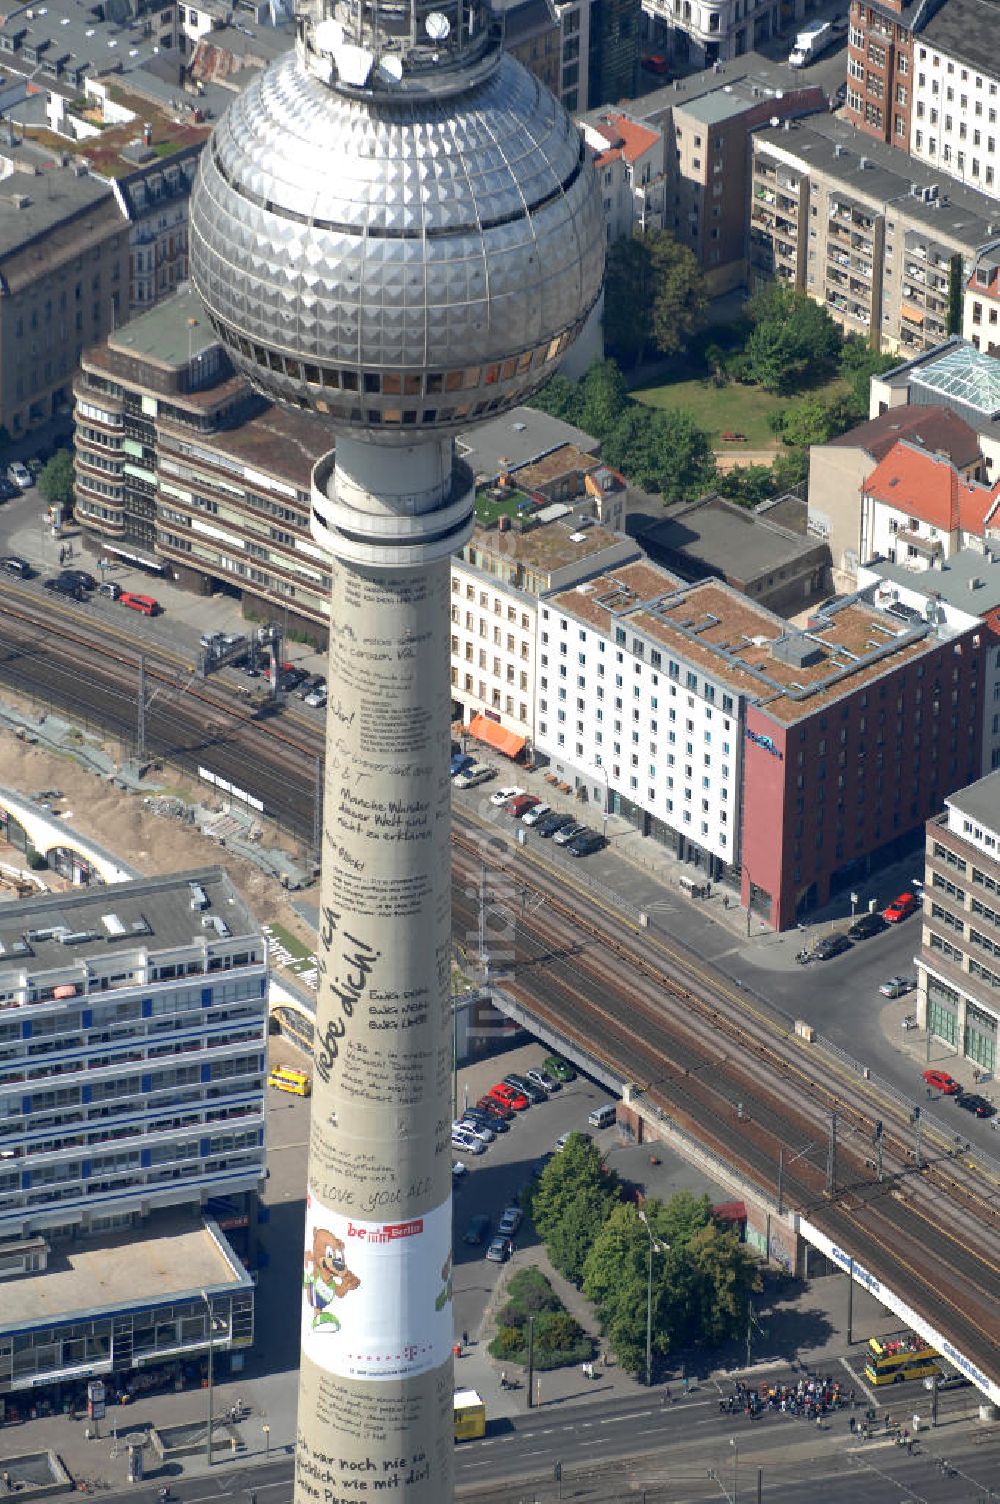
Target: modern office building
pixel 873 238
pixel 958 968
pixel 133 1035
pixel 64 277
pixel 780 759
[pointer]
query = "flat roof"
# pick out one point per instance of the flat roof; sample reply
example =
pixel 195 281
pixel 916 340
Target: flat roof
pixel 600 601
pixel 155 913
pixel 790 671
pixel 969 581
pixel 740 545
pixel 834 147
pixel 168 1257
pixel 719 92
pixel 169 334
pixel 967 29
pixel 54 194
pixel 980 801
pixel 520 437
pixel 281 441
pixel 552 545
pixel 561 461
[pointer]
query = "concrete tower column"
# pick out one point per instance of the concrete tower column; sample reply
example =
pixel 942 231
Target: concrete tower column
pixel 377 1325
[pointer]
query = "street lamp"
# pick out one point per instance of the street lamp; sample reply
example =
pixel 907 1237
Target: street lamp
pixel 211 1355
pixel 654 1247
pixel 265 1427
pixel 736 1463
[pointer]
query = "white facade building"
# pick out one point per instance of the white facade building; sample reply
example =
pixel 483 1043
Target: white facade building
pixel 629 159
pixel 918 509
pixel 709 31
pixel 496 582
pixel 633 710
pixel 956 95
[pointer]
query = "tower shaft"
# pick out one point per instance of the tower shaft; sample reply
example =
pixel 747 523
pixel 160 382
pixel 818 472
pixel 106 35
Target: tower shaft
pixel 376 1382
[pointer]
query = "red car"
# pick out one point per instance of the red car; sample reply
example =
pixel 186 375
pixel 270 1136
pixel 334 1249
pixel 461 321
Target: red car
pixel 508 1096
pixel 498 1108
pixel 941 1081
pixel 521 805
pixel 899 908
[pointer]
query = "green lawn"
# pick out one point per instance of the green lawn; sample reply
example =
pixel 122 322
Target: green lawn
pixel 489 508
pixel 736 408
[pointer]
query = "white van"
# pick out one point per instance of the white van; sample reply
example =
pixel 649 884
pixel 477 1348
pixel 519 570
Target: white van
pixel 604 1116
pixel 811 41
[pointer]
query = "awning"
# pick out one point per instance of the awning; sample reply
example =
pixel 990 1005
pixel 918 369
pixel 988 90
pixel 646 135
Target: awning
pixel 913 315
pixel 485 730
pixel 136 556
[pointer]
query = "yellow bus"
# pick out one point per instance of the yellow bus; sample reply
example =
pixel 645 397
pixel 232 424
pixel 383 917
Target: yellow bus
pixel 286 1078
pixel 470 1415
pixel 904 1356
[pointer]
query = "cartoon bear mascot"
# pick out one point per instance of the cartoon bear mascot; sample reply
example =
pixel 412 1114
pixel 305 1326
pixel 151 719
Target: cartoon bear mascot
pixel 327 1277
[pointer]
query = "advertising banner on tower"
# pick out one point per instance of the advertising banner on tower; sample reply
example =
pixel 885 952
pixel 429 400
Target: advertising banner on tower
pixel 376 1296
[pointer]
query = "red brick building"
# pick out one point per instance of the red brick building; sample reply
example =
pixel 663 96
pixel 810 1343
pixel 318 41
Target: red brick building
pixel 880 68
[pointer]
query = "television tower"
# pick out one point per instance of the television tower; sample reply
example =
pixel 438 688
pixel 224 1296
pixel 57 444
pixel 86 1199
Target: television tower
pixel 395 226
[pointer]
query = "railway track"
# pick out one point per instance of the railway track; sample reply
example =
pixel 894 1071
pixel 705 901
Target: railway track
pixel 722 1071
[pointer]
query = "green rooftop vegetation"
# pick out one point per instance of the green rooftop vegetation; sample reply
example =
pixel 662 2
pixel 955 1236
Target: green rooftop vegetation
pixel 509 503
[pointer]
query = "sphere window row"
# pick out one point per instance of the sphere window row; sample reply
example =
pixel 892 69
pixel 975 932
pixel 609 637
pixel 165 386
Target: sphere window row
pixel 397 383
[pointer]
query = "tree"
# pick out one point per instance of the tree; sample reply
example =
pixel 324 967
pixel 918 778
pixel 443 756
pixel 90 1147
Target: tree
pixel 654 293
pixel 627 298
pixel 604 398
pixel 56 479
pixel 560 398
pixel 680 296
pixel 793 340
pixel 748 485
pixel 573 1198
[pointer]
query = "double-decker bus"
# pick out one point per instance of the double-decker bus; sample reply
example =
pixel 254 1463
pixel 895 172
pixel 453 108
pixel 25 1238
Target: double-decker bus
pixel 904 1356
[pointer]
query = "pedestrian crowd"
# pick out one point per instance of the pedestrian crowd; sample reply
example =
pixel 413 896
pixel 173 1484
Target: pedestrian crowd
pixel 811 1398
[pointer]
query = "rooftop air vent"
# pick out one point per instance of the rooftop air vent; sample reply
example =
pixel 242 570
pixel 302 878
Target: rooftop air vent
pixel 199 898
pixel 114 926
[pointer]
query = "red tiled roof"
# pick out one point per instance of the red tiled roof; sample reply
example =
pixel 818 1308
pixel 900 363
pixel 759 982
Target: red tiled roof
pixel 928 486
pixel 628 135
pixel 935 428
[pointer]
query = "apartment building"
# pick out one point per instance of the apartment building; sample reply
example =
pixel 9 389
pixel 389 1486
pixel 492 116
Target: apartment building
pixel 180 467
pixel 880 68
pixel 981 305
pixel 918 508
pixel 956 94
pixel 497 580
pixel 838 471
pixel 962 591
pixel 128 1106
pixel 64 277
pixel 707 122
pixel 958 968
pixel 628 159
pixel 955 375
pixel 883 248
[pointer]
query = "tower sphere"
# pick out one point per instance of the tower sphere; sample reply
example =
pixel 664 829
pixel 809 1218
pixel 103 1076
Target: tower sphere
pixel 397 225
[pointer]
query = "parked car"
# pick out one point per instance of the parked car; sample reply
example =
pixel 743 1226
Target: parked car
pixel 537 813
pixel 542 1079
pixel 519 807
pixel 510 1221
pixel 510 1096
pixel 80 577
pixel 655 62
pixel 318 697
pixel 483 1134
pixel 534 1093
pixel 560 1068
pixel 897 986
pixel 499 1250
pixel 866 926
pixel 505 795
pixel 942 1082
pixel 476 1230
pixel 830 946
pixel 484 1119
pixel 900 908
pixel 309 685
pixel 111 589
pixel 19 475
pixel 472 777
pixel 564 1139
pixel 947 1381
pixel 565 833
pixel 973 1102
pixel 14 564
pixel 7 489
pixel 495 1108
pixel 59 586
pixel 459 762
pixel 552 823
pixel 584 843
pixel 462 1139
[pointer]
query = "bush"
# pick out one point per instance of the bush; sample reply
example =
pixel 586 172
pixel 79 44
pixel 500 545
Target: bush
pixel 558 1339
